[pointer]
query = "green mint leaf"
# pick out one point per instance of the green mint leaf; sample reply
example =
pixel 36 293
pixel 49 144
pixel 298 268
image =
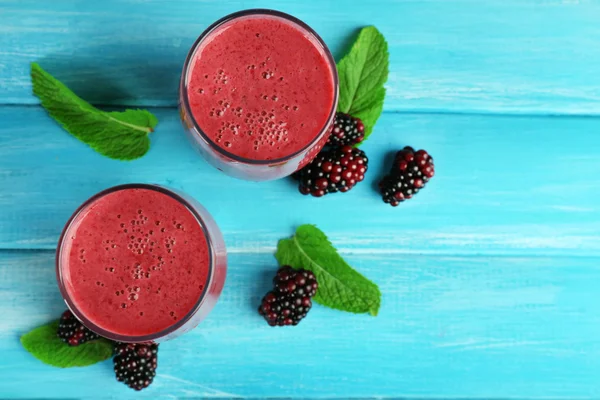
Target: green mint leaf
pixel 363 72
pixel 340 286
pixel 118 135
pixel 45 345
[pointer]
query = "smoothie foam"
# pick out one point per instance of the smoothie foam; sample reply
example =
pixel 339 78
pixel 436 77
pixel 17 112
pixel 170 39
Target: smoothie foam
pixel 135 261
pixel 260 88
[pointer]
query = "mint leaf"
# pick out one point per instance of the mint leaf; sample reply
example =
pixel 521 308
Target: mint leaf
pixel 362 72
pixel 118 135
pixel 44 344
pixel 340 286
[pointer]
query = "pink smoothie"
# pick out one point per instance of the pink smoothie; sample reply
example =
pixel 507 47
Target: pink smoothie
pixel 260 87
pixel 135 261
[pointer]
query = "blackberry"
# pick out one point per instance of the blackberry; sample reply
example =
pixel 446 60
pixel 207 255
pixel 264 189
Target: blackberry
pixel 409 174
pixel 72 332
pixel 290 299
pixel 333 170
pixel 135 364
pixel 347 130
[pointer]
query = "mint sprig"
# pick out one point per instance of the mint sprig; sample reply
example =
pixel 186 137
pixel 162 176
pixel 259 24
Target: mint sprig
pixel 362 74
pixel 118 135
pixel 340 286
pixel 46 346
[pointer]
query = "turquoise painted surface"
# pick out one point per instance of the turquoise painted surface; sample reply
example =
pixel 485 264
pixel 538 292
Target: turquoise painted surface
pixel 511 56
pixel 489 276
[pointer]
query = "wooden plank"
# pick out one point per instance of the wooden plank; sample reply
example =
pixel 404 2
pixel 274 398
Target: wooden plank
pixel 449 327
pixel 506 56
pixel 503 185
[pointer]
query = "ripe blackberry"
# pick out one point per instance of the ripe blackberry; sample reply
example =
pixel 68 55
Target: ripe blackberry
pixel 335 169
pixel 347 130
pixel 135 364
pixel 290 299
pixel 409 174
pixel 72 332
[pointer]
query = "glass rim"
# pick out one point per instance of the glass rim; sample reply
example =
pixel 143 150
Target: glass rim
pixel 245 13
pixel 127 338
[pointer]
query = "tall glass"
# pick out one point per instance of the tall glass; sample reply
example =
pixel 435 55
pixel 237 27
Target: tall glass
pixel 217 154
pixel 217 266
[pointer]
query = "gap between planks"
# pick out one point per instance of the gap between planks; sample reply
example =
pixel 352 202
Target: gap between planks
pixel 376 253
pixel 434 112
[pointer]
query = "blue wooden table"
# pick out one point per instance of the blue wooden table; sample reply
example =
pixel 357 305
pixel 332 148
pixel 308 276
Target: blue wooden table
pixel 489 276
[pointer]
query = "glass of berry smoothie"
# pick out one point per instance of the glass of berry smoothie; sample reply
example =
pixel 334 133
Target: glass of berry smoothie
pixel 138 263
pixel 258 94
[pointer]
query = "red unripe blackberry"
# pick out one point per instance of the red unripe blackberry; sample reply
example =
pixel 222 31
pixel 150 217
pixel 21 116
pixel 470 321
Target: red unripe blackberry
pixel 72 332
pixel 409 173
pixel 347 130
pixel 135 364
pixel 335 169
pixel 290 299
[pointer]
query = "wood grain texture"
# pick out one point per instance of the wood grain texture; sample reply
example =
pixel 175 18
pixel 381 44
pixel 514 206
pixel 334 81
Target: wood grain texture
pixel 507 56
pixel 450 327
pixel 503 186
